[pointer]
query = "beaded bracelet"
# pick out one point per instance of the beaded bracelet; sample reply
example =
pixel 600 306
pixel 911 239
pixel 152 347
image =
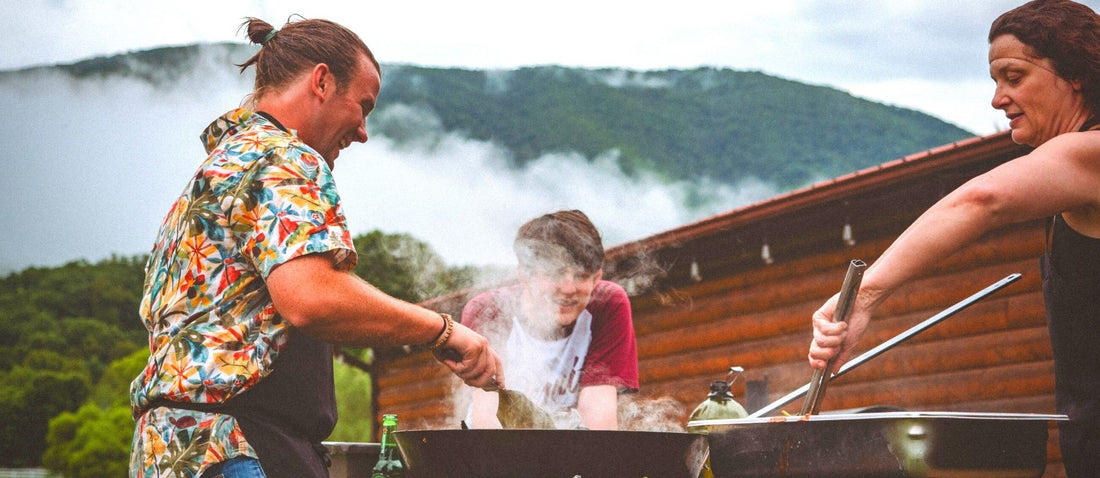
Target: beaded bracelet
pixel 445 334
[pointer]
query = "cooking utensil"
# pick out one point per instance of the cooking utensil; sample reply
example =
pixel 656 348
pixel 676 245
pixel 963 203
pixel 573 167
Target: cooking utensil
pixel 892 444
pixel 551 453
pixel 820 379
pixel 515 410
pixel 948 312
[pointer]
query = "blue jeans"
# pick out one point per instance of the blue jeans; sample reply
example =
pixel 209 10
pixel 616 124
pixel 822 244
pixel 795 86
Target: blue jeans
pixel 236 467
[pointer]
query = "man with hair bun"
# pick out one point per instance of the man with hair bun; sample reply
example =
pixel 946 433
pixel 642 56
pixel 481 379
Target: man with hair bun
pixel 248 284
pixel 566 335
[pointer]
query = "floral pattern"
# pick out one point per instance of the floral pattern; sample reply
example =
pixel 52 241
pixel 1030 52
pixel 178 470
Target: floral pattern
pixel 261 198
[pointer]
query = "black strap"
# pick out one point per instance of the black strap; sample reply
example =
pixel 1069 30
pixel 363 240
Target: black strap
pixel 197 407
pixel 1050 232
pixel 273 120
pixel 1090 123
pixel 323 453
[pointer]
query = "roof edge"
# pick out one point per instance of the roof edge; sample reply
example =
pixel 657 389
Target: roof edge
pixel 941 157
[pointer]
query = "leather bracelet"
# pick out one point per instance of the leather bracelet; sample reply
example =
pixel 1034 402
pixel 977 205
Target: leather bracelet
pixel 445 334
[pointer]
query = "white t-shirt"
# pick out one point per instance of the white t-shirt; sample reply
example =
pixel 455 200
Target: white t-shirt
pixel 548 372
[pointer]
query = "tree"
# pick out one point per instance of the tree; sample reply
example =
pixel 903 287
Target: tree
pixel 28 399
pixel 94 441
pixel 59 328
pixel 91 443
pixel 353 403
pixel 407 268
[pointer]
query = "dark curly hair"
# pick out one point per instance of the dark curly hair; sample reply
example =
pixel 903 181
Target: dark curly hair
pixel 299 46
pixel 1067 33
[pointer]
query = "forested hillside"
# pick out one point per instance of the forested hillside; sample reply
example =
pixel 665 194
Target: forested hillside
pixel 719 124
pixel 71 341
pixel 60 330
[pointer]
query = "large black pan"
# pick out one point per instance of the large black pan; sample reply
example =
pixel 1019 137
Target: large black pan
pixel 890 444
pixel 551 453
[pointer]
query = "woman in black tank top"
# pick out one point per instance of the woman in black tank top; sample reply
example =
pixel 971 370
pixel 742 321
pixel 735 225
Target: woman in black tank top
pixel 1045 60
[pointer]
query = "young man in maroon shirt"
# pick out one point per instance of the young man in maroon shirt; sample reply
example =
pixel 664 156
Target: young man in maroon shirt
pixel 566 337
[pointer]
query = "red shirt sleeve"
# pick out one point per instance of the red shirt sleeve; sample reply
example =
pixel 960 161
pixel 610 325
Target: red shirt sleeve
pixel 613 355
pixel 486 314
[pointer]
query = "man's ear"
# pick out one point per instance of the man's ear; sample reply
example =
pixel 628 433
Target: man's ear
pixel 321 81
pixel 599 274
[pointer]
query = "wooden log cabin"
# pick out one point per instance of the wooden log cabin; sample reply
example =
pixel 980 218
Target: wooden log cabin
pixel 706 297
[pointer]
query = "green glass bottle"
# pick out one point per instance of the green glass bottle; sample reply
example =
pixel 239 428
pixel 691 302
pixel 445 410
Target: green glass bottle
pixel 389 459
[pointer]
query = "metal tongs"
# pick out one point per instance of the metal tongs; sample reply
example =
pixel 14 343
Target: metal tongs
pixel 820 381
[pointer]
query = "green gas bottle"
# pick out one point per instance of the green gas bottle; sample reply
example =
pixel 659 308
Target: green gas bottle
pixel 389 459
pixel 718 404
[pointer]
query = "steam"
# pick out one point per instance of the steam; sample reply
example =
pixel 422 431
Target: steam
pixel 652 414
pixel 637 412
pixel 95 162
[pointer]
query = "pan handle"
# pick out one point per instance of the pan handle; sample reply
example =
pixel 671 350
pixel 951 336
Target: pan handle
pixel 916 329
pixel 820 380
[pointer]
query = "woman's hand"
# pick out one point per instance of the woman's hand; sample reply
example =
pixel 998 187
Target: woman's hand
pixel 836 339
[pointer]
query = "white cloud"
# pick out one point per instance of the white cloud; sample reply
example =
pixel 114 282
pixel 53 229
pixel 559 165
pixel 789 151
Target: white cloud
pixel 461 197
pixel 101 161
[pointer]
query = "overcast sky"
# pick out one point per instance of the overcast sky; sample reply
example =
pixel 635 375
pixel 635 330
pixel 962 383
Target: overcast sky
pixel 78 187
pixel 929 54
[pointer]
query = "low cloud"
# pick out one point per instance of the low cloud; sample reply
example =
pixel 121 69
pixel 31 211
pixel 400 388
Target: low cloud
pixel 101 158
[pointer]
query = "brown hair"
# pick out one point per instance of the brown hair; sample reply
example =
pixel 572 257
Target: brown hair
pixel 299 46
pixel 560 238
pixel 1067 33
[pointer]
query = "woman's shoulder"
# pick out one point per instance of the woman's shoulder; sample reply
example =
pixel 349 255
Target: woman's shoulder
pixel 1082 141
pixel 1079 151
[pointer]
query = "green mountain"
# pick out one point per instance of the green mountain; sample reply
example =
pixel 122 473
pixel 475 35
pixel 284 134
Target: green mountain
pixel 705 123
pixel 720 124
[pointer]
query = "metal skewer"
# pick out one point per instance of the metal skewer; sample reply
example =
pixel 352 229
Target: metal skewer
pixel 870 354
pixel 820 380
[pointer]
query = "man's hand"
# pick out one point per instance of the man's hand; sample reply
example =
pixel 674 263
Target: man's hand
pixel 469 356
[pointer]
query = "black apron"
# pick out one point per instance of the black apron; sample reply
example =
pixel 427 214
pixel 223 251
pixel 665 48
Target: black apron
pixel 1071 293
pixel 285 415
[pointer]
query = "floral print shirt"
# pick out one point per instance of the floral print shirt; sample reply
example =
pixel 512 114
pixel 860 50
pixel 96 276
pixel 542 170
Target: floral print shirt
pixel 261 198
